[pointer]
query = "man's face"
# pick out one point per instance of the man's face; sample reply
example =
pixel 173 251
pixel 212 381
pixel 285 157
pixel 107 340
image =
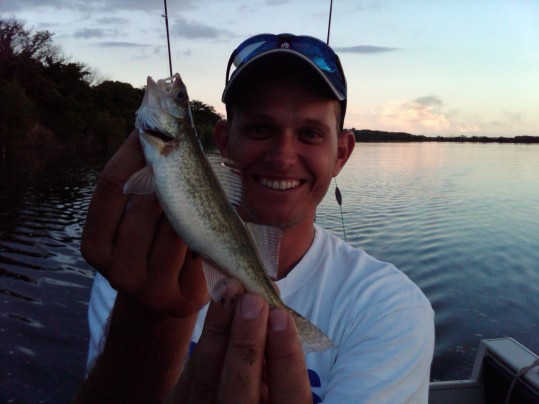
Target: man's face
pixel 284 138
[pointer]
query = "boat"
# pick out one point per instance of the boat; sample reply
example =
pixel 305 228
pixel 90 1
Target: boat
pixel 504 371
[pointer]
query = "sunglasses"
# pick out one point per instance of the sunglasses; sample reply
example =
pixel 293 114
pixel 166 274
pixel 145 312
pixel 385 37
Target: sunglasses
pixel 313 49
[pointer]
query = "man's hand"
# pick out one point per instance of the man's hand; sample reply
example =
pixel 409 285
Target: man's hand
pixel 246 354
pixel 128 239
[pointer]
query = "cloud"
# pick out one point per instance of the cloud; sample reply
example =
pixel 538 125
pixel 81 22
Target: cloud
pixel 276 2
pixel 513 117
pixel 429 115
pixel 508 120
pixel 92 5
pixel 423 115
pixel 113 21
pixel 467 128
pixel 423 112
pixel 364 49
pixel 430 101
pixel 88 33
pixel 119 44
pixel 181 28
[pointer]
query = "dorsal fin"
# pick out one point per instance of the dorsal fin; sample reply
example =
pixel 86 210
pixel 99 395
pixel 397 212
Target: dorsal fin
pixel 229 176
pixel 267 240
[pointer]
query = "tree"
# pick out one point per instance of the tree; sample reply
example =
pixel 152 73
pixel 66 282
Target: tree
pixel 205 117
pixel 53 99
pixel 16 116
pixel 18 43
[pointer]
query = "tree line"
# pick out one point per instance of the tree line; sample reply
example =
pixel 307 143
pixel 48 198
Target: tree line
pixel 47 101
pixel 366 135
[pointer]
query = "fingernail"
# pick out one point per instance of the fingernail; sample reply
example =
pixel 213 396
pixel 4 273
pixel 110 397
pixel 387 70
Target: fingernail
pixel 251 306
pixel 278 320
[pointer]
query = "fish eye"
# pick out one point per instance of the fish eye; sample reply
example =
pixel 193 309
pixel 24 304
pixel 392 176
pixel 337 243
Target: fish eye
pixel 181 95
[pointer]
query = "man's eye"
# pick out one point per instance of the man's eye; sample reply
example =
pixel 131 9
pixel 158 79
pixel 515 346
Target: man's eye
pixel 311 136
pixel 259 131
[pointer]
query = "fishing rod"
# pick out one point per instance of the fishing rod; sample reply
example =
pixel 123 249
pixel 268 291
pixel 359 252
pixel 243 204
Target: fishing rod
pixel 165 16
pixel 329 22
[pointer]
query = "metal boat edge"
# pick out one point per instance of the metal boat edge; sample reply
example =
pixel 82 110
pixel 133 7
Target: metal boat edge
pixel 504 371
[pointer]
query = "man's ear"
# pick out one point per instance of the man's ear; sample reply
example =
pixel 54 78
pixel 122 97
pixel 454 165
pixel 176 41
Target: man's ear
pixel 221 136
pixel 345 146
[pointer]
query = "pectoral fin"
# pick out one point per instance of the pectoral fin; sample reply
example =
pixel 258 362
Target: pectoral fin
pixel 141 182
pixel 267 240
pixel 229 176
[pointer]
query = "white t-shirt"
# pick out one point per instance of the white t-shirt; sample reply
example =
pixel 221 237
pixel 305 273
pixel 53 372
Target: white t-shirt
pixel 379 320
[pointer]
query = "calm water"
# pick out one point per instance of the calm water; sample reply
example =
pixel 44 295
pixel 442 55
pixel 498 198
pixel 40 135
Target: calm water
pixel 462 220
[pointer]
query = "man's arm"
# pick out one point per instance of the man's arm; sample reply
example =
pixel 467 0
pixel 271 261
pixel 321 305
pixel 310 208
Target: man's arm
pixel 129 240
pixel 161 286
pixel 142 357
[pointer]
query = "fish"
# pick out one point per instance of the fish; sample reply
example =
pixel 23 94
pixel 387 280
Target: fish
pixel 199 193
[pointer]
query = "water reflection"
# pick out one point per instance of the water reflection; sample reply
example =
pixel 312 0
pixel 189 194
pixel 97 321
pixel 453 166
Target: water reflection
pixel 44 283
pixel 461 221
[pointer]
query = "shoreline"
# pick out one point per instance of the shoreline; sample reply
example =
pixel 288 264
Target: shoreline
pixel 376 136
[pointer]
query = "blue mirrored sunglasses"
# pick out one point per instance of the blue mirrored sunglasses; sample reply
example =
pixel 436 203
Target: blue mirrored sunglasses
pixel 312 48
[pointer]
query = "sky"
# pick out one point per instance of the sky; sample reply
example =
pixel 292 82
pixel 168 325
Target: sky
pixel 426 67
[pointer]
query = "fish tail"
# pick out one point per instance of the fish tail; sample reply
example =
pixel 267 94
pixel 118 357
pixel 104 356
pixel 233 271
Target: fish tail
pixel 312 338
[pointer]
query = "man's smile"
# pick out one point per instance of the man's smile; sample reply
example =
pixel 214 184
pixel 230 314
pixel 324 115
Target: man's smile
pixel 281 185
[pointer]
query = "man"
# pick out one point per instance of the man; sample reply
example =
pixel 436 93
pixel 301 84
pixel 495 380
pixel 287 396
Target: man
pixel 286 103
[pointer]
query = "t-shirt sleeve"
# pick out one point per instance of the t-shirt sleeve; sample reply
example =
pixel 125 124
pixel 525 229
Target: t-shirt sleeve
pixel 388 362
pixel 100 306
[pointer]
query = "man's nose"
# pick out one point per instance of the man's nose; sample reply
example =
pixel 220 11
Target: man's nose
pixel 283 151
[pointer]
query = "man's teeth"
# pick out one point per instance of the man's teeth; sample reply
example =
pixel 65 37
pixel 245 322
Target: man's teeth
pixel 280 185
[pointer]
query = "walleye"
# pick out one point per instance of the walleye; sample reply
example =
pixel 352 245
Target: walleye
pixel 197 192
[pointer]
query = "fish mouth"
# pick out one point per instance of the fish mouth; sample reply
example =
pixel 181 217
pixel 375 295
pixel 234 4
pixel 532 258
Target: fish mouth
pixel 278 185
pixel 158 134
pixel 151 124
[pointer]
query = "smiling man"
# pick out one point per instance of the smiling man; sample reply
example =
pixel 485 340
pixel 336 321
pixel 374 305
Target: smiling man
pixel 283 132
pixel 286 103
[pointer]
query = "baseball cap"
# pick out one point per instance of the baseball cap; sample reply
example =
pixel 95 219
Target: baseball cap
pixel 305 50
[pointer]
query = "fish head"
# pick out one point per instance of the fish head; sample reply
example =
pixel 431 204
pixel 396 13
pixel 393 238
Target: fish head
pixel 164 106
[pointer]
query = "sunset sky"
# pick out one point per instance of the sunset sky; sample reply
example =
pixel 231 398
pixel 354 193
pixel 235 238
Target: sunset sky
pixel 424 67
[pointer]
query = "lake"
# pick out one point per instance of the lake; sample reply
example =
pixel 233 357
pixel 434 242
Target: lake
pixel 460 219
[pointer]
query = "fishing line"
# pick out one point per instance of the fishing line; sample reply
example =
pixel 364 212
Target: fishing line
pixel 338 196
